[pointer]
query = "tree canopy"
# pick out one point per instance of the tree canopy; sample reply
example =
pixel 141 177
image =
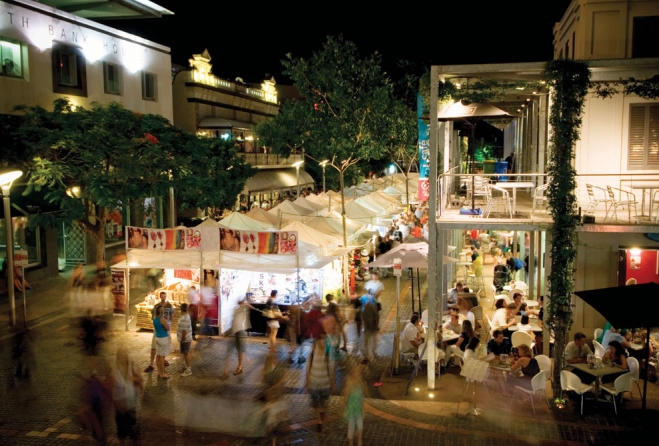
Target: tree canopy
pixel 343 114
pixel 91 160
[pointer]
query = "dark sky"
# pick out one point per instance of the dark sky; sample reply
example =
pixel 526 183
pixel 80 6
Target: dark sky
pixel 249 40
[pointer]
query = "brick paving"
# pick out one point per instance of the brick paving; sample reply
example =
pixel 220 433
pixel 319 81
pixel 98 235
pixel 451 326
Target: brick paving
pixel 46 408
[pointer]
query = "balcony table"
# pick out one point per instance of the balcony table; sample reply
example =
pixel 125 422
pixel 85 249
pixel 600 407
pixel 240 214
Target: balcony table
pixel 514 185
pixel 650 185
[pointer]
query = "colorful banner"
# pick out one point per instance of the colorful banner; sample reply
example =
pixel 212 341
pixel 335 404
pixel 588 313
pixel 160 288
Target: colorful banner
pixel 245 242
pixel 424 149
pixel 163 239
pixel 119 290
pixel 253 242
pixel 423 192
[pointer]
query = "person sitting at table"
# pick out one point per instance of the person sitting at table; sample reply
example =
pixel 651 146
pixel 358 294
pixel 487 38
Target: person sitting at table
pixel 617 355
pixel 453 322
pixel 467 333
pixel 577 351
pixel 452 297
pixel 474 253
pixel 499 345
pixel 525 327
pixel 517 300
pixel 411 338
pixel 464 307
pixel 503 318
pixel 470 350
pixel 526 363
pixel 615 335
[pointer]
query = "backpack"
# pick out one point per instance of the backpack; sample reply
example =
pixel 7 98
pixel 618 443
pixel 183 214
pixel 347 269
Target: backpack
pixel 518 264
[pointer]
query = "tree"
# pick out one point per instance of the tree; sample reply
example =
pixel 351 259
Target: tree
pixel 342 117
pixel 91 161
pixel 403 145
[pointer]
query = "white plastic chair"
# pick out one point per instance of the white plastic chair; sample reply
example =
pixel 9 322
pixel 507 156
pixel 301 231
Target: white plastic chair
pixel 598 332
pixel 571 382
pixel 622 384
pixel 599 349
pixel 497 196
pixel 634 369
pixel 538 384
pixel 519 337
pixel 545 364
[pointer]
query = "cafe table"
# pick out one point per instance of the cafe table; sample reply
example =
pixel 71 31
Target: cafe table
pixel 514 185
pixel 598 373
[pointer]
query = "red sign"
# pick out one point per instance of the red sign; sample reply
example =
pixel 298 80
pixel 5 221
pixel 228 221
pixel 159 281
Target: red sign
pixel 423 192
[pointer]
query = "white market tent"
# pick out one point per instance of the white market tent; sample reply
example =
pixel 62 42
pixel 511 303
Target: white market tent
pixel 369 203
pixel 308 204
pixel 325 242
pixel 381 195
pixel 236 220
pixel 263 216
pixel 358 212
pixel 291 211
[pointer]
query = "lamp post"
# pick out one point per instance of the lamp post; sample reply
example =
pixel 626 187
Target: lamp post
pixel 297 165
pixel 6 179
pixel 323 164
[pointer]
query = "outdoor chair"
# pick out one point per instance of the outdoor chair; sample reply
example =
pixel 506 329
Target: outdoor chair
pixel 497 196
pixel 519 337
pixel 538 384
pixel 655 203
pixel 545 365
pixel 599 349
pixel 622 384
pixel 624 199
pixel 634 369
pixel 540 197
pixel 596 196
pixel 571 382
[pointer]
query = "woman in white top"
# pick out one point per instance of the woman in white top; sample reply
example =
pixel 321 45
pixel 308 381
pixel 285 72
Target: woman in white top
pixel 465 306
pixel 470 351
pixel 525 327
pixel 501 320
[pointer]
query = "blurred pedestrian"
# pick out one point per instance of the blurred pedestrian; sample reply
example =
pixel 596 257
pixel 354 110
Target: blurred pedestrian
pixel 168 309
pixel 193 309
pixel 126 383
pixel 94 398
pixel 184 336
pixel 320 379
pixel 274 375
pixel 371 322
pixel 354 392
pixel 273 314
pixel 296 328
pixel 239 325
pixel 161 330
pixel 334 309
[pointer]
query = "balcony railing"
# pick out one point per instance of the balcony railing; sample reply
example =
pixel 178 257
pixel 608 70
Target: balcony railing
pixel 456 191
pixel 270 159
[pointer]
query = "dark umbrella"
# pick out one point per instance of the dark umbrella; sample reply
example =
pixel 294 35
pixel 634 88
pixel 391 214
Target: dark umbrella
pixel 608 300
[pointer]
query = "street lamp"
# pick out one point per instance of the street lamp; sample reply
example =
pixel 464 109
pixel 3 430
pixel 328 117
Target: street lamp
pixel 297 165
pixel 7 177
pixel 324 163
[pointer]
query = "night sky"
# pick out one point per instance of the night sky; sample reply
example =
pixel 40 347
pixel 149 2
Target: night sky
pixel 250 41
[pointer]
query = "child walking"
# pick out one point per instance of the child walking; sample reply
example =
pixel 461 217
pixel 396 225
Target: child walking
pixel 354 392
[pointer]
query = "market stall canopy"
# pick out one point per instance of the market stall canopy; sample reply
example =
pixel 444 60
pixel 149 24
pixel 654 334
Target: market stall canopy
pixel 337 196
pixel 325 225
pixel 382 195
pixel 389 204
pixel 291 211
pixel 352 225
pixel 393 191
pixel 308 235
pixel 321 199
pixel 358 212
pixel 236 220
pixel 308 204
pixel 372 205
pixel 267 180
pixel 263 216
pixel 208 223
pixel 412 255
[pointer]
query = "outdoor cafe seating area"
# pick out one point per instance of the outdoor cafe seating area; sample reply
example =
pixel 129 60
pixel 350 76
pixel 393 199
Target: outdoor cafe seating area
pixel 591 387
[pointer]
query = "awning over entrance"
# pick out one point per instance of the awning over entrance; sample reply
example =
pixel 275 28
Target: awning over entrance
pixel 267 180
pixel 212 122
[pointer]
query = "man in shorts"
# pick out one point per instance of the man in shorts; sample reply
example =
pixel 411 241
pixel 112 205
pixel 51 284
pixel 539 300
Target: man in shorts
pixel 184 335
pixel 168 309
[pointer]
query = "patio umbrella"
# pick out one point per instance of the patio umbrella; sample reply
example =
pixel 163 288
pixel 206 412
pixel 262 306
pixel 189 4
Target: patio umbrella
pixel 608 300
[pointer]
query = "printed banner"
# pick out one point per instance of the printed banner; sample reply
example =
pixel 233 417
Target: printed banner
pixel 119 290
pixel 423 191
pixel 424 139
pixel 163 239
pixel 253 242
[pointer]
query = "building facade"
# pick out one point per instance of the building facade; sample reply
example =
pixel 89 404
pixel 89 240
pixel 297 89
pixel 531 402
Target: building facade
pixel 46 54
pixel 218 108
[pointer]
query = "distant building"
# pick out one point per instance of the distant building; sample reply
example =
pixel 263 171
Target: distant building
pixel 218 108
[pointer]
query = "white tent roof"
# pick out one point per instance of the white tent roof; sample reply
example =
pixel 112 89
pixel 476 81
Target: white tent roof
pixel 291 211
pixel 208 223
pixel 321 200
pixel 263 216
pixel 236 220
pixel 337 196
pixel 325 242
pixel 381 195
pixel 358 212
pixel 371 204
pixel 308 204
pixel 325 225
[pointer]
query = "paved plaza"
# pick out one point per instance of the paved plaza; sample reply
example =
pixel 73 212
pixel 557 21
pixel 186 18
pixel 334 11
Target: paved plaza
pixel 202 409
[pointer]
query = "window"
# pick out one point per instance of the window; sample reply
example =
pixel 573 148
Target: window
pixel 112 78
pixel 69 71
pixel 645 36
pixel 148 86
pixel 10 58
pixel 643 136
pixel 25 238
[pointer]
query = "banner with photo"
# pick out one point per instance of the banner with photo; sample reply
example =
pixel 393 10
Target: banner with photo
pixel 163 239
pixel 118 290
pixel 254 242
